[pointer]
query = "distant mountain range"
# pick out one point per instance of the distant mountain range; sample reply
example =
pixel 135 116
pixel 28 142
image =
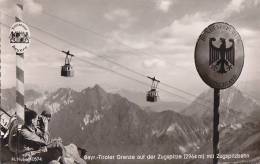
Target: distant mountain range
pixel 239 121
pixel 106 123
pixel 231 98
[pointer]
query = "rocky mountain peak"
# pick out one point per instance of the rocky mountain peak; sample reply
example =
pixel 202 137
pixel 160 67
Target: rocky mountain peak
pixel 230 99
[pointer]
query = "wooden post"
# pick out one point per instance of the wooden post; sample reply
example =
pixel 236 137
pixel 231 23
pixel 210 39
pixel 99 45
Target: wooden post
pixel 19 73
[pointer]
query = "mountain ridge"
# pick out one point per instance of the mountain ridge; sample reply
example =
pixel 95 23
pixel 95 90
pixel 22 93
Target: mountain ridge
pixel 105 122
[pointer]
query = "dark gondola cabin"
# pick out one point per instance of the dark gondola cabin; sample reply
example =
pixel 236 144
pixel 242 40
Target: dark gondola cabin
pixel 152 95
pixel 67 69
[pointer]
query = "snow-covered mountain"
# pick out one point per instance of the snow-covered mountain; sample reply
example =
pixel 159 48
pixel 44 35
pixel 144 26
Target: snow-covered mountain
pixel 108 123
pixel 239 122
pixel 53 101
pixel 233 105
pixel 105 122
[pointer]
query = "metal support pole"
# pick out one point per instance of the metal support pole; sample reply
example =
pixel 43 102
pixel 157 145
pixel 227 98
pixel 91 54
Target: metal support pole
pixel 0 60
pixel 215 125
pixel 0 82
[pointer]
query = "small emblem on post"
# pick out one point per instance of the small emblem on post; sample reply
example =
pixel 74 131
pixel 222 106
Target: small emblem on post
pixel 19 37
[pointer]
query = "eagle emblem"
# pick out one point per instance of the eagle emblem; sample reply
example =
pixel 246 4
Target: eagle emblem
pixel 221 59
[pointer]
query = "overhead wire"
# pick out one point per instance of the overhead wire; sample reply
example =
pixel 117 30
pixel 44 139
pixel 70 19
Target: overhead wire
pixel 83 48
pixel 92 52
pixel 120 65
pixel 111 70
pixel 123 75
pixel 82 59
pixel 103 36
pixel 120 74
pixel 100 35
pixel 104 57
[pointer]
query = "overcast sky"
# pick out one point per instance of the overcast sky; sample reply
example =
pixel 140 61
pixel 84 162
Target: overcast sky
pixel 152 37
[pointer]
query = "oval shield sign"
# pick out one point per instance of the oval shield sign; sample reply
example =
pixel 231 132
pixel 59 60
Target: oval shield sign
pixel 20 37
pixel 219 55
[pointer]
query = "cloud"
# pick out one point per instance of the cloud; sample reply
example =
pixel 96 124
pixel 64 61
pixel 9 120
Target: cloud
pixel 154 63
pixel 250 39
pixel 33 7
pixel 130 40
pixel 179 37
pixel 235 7
pixel 122 16
pixel 29 7
pixel 183 32
pixel 248 33
pixel 119 13
pixel 164 5
pixel 256 2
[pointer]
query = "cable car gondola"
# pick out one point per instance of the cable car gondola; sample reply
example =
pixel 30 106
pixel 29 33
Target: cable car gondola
pixel 152 95
pixel 66 69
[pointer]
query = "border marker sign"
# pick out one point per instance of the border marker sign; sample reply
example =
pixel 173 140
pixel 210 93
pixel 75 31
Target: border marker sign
pixel 20 37
pixel 219 60
pixel 219 55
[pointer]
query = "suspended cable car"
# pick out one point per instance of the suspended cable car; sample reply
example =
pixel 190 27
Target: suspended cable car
pixel 152 95
pixel 66 69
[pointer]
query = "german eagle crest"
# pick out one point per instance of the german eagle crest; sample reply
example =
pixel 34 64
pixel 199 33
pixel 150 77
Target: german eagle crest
pixel 222 58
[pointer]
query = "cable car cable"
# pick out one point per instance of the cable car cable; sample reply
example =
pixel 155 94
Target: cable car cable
pixel 96 55
pixel 92 52
pixel 100 35
pixel 123 75
pixel 133 79
pixel 46 44
pixel 128 77
pixel 182 97
pixel 106 37
pixel 86 49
